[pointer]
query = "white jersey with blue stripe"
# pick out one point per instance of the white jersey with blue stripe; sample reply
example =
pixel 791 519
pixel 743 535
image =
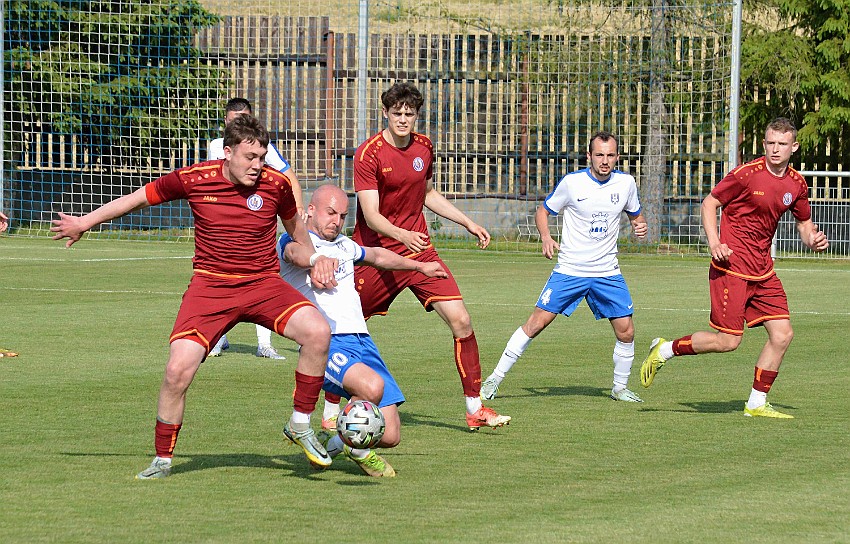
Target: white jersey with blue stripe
pixel 591 220
pixel 340 305
pixel 273 156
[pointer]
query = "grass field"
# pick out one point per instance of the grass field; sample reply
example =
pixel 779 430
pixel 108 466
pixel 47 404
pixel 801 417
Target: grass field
pixel 91 325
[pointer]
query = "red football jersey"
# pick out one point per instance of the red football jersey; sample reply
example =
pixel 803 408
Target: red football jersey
pixel 753 200
pixel 400 176
pixel 235 225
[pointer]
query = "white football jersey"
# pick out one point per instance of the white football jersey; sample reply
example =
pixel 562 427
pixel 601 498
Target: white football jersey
pixel 591 222
pixel 273 158
pixel 340 305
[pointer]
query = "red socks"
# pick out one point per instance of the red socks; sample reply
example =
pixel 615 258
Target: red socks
pixel 683 346
pixel 165 438
pixel 763 379
pixel 307 389
pixel 468 365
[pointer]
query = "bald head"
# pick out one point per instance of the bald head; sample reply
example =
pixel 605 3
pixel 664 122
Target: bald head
pixel 327 211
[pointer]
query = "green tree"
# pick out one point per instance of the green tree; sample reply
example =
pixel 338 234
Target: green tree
pixel 804 65
pixel 122 77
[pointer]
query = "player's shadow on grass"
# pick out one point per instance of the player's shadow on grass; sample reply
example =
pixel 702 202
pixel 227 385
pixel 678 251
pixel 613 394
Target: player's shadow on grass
pixel 408 419
pixel 709 407
pixel 561 391
pixel 293 464
pixel 289 351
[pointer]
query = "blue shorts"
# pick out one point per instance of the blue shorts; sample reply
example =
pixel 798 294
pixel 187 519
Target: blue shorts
pixel 348 349
pixel 607 297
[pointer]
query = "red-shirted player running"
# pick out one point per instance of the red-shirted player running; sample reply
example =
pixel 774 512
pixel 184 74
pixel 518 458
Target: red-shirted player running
pixel 235 203
pixel 743 286
pixel 393 173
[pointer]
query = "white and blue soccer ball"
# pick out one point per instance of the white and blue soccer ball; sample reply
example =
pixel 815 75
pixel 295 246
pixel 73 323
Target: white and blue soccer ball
pixel 360 424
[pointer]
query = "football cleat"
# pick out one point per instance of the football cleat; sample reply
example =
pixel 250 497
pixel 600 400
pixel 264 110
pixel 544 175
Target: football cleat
pixel 222 345
pixel 313 449
pixel 325 437
pixel 329 424
pixel 625 395
pixel 160 468
pixel 486 417
pixel 269 352
pixel 652 363
pixel 766 410
pixel 489 388
pixel 373 464
pixel 6 353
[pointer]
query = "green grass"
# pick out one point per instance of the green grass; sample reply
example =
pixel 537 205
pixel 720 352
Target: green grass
pixel 91 325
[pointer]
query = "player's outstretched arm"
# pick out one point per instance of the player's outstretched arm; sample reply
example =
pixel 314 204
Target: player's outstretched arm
pixel 812 236
pixel 369 201
pixel 441 206
pixel 710 205
pixel 541 221
pixel 302 253
pixel 385 259
pixel 72 227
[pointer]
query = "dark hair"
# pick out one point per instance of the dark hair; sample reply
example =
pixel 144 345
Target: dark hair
pixel 402 94
pixel 782 124
pixel 603 136
pixel 245 128
pixel 237 104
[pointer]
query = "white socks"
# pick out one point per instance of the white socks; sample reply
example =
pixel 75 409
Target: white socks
pixel 331 410
pixel 516 347
pixel 473 404
pixel 264 336
pixel 300 418
pixel 757 398
pixel 624 356
pixel 666 350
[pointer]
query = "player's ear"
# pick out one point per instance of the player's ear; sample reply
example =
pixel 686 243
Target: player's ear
pixel 386 113
pixel 795 146
pixel 228 152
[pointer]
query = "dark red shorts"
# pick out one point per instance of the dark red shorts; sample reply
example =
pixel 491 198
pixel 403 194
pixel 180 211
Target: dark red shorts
pixel 212 305
pixel 736 301
pixel 379 288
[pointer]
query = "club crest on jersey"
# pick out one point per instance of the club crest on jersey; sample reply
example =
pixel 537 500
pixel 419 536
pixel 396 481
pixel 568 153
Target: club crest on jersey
pixel 786 199
pixel 255 202
pixel 418 164
pixel 599 225
pixel 615 197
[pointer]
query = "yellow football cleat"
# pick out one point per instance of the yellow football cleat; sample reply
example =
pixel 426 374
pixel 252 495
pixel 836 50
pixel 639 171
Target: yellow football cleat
pixel 765 410
pixel 652 363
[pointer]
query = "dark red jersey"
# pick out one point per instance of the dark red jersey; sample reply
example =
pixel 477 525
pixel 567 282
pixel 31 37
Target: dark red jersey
pixel 753 200
pixel 400 176
pixel 235 225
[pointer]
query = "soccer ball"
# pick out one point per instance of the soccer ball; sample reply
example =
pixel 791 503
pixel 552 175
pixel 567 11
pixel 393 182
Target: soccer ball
pixel 360 424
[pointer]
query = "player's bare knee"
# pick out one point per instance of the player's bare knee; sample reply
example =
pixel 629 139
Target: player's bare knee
pixel 728 342
pixel 372 390
pixel 782 338
pixel 391 438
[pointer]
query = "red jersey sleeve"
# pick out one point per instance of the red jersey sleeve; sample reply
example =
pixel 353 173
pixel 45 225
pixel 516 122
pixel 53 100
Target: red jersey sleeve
pixel 286 205
pixel 165 189
pixel 366 165
pixel 729 187
pixel 801 209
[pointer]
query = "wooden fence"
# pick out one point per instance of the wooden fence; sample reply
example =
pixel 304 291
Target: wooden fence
pixel 509 114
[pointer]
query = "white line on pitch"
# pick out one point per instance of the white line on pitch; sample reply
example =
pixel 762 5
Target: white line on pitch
pixel 99 291
pixel 30 259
